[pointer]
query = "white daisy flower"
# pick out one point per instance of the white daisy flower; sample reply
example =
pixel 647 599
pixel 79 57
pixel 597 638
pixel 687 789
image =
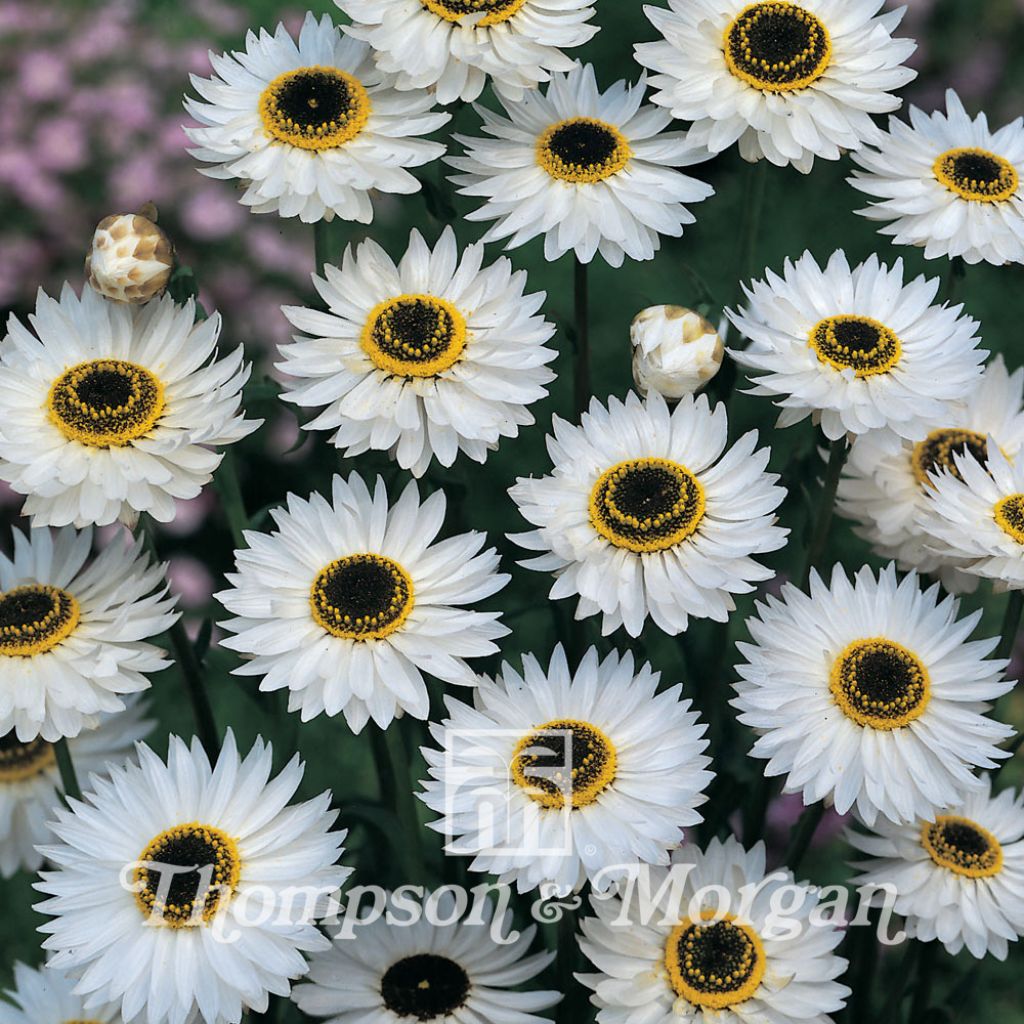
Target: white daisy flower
pixel 884 490
pixel 109 410
pixel 421 960
pixel 437 355
pixel 788 81
pixel 857 349
pixel 452 46
pixel 555 777
pixel 648 513
pixel 208 942
pixel 975 518
pixel 948 184
pixel 30 784
pixel 731 962
pixel 590 171
pixel 959 877
pixel 310 127
pixel 348 602
pixel 869 694
pixel 45 995
pixel 73 636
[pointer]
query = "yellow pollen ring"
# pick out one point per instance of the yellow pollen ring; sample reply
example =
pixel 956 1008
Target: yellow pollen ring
pixel 494 11
pixel 35 618
pixel 20 761
pixel 315 108
pixel 582 150
pixel 561 755
pixel 857 343
pixel 414 336
pixel 694 979
pixel 362 597
pixel 105 403
pixel 936 451
pixel 1008 513
pixel 214 859
pixel 880 684
pixel 776 72
pixel 647 504
pixel 946 840
pixel 976 175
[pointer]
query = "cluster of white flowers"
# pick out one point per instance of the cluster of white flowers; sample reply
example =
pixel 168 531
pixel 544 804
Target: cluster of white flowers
pixel 169 886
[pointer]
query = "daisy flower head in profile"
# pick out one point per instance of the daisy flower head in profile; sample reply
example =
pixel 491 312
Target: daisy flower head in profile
pixel 598 771
pixel 788 81
pixel 74 632
pixel 349 601
pixel 700 942
pixel 170 946
pixel 884 489
pixel 421 960
pixel 958 876
pixel 649 512
pixel 591 171
pixel 45 995
pixel 973 517
pixel 453 46
pixel 30 783
pixel 947 184
pixel 857 349
pixel 437 355
pixel 109 410
pixel 310 127
pixel 868 694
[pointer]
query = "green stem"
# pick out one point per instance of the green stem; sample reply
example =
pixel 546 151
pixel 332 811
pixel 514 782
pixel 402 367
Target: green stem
pixel 225 480
pixel 905 973
pixel 755 810
pixel 1011 624
pixel 327 243
pixel 923 985
pixel 192 672
pixel 819 535
pixel 753 208
pixel 805 829
pixel 582 322
pixel 566 967
pixel 188 664
pixel 397 787
pixel 955 277
pixel 66 767
pixel 862 951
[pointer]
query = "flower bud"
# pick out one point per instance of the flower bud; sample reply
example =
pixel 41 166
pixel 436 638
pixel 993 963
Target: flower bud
pixel 675 351
pixel 131 257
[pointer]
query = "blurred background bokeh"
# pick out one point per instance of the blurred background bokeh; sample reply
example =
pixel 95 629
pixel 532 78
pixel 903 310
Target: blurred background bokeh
pixel 91 124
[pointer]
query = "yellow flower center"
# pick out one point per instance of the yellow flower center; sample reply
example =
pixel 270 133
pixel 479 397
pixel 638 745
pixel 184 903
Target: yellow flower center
pixel 315 108
pixel 582 150
pixel 855 343
pixel 936 452
pixel 714 964
pixel 106 402
pixel 35 618
pixel 880 684
pixel 647 504
pixel 414 336
pixel 962 846
pixel 565 762
pixel 777 46
pixel 1009 514
pixel 20 761
pixel 977 175
pixel 362 597
pixel 494 11
pixel 186 874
